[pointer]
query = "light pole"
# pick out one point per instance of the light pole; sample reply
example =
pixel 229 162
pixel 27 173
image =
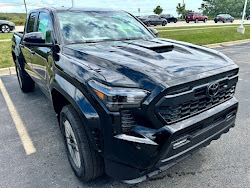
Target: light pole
pixel 241 29
pixel 25 7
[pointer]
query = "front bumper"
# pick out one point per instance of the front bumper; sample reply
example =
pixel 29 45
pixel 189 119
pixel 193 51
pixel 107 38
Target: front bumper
pixel 133 162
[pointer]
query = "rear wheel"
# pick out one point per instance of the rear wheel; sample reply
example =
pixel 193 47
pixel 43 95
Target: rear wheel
pixel 196 20
pixel 5 28
pixel 25 82
pixel 205 20
pixel 175 21
pixel 216 21
pixel 148 24
pixel 187 21
pixel 84 160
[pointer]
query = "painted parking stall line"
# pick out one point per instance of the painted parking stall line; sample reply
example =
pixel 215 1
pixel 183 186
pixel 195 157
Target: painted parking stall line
pixel 21 129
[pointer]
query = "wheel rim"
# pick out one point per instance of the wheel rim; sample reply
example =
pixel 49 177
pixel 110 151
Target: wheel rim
pixel 19 77
pixel 5 29
pixel 72 144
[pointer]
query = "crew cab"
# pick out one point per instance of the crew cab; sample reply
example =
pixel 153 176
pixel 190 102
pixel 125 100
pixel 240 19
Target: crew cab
pixel 128 103
pixel 196 17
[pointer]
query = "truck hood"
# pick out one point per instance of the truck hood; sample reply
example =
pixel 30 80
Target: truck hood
pixel 146 63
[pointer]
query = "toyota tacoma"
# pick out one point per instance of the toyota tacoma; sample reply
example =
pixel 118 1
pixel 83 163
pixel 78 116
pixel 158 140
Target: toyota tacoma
pixel 129 104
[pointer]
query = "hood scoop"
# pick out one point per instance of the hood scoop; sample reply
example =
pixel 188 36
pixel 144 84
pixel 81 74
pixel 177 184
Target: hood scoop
pixel 162 49
pixel 154 46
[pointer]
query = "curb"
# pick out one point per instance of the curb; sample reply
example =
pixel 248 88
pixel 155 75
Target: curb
pixel 7 71
pixel 224 44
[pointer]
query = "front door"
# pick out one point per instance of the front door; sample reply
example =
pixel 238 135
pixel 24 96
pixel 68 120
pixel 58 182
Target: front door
pixel 42 57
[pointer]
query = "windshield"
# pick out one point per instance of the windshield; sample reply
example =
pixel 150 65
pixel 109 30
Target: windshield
pixel 88 26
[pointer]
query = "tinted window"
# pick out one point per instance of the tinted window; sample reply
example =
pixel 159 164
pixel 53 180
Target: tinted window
pixel 100 25
pixel 31 23
pixel 190 14
pixel 45 26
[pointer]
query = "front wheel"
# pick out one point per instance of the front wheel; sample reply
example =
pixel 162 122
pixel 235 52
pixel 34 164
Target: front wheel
pixel 187 21
pixel 205 20
pixel 164 23
pixel 196 21
pixel 25 82
pixel 84 160
pixel 5 28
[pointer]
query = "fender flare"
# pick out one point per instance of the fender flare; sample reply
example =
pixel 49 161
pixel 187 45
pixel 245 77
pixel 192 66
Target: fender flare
pixel 88 115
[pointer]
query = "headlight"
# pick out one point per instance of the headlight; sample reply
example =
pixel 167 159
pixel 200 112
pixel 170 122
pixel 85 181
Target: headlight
pixel 115 97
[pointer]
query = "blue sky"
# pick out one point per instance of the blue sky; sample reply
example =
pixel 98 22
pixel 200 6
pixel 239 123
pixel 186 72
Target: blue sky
pixel 132 6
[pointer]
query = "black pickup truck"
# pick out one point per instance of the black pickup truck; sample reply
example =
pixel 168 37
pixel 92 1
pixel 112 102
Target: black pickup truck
pixel 128 103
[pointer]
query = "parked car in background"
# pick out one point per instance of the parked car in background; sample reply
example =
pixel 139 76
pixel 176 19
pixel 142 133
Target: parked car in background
pixel 224 18
pixel 248 17
pixel 153 20
pixel 6 26
pixel 196 17
pixel 169 18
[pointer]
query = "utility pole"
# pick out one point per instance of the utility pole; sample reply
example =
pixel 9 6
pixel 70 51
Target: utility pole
pixel 73 3
pixel 241 29
pixel 183 2
pixel 25 6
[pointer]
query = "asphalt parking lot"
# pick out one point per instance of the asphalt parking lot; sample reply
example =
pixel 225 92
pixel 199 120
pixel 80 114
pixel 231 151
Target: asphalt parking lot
pixel 225 163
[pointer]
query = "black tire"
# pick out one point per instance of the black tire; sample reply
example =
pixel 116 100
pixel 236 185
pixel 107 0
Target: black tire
pixel 175 21
pixel 205 20
pixel 196 20
pixel 25 82
pixel 232 21
pixel 216 21
pixel 91 163
pixel 148 24
pixel 187 21
pixel 223 21
pixel 5 28
pixel 164 23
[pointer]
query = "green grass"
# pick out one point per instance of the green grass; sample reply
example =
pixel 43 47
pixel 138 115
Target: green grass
pixel 197 36
pixel 17 18
pixel 12 16
pixel 5 55
pixel 5 36
pixel 196 27
pixel 207 36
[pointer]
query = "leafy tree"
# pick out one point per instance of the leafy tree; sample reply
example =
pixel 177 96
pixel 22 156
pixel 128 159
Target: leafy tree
pixel 215 7
pixel 181 10
pixel 158 10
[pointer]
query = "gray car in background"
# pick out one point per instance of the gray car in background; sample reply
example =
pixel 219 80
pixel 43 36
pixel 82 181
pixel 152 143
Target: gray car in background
pixel 6 26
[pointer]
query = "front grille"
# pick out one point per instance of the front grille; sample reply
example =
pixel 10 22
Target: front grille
pixel 196 102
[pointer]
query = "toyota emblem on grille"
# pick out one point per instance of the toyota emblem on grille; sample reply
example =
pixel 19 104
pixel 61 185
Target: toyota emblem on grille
pixel 213 89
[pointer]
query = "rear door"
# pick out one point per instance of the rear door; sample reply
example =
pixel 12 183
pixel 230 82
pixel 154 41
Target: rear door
pixel 27 50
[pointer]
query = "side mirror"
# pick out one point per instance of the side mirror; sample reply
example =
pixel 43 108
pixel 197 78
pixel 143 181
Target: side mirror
pixel 154 31
pixel 34 37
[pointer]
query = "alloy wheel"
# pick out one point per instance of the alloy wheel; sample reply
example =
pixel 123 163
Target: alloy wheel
pixel 72 144
pixel 5 29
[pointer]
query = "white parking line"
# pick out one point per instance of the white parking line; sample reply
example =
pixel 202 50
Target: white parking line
pixel 21 129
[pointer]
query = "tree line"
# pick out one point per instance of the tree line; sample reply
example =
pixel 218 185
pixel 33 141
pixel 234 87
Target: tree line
pixel 213 8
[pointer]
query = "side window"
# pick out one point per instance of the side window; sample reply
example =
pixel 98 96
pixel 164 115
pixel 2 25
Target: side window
pixel 45 26
pixel 31 24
